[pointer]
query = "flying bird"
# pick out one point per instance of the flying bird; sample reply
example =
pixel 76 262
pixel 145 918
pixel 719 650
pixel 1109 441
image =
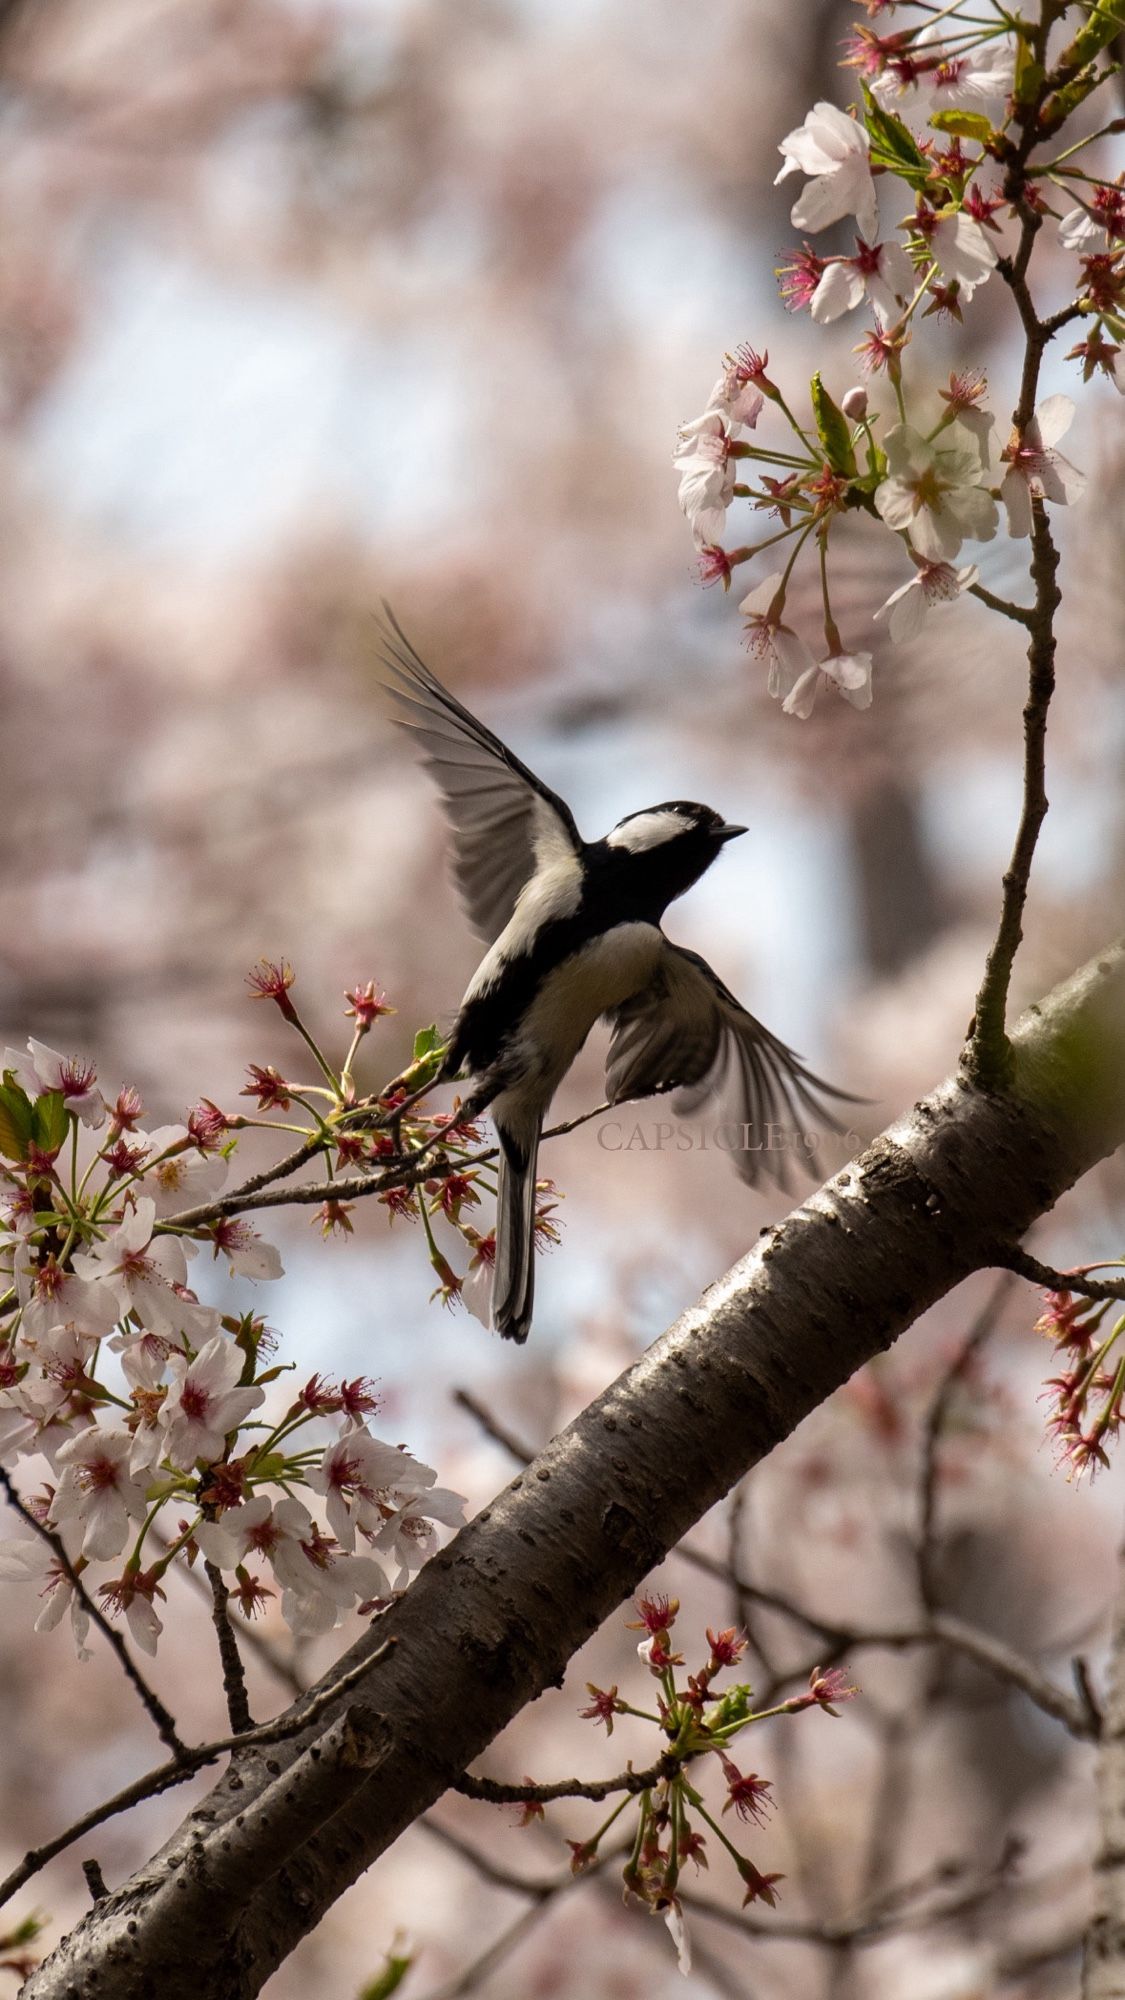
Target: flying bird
pixel 573 930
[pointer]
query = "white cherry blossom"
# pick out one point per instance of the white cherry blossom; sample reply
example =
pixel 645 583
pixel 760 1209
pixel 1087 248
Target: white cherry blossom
pixel 138 1272
pixel 36 1562
pixel 962 250
pixel 409 1537
pixel 834 150
pixel 248 1254
pixel 787 655
pixel 881 272
pixel 97 1489
pixel 850 673
pixel 1035 470
pixel 43 1070
pixel 317 1582
pixel 135 1594
pixel 357 1475
pixel 180 1179
pixel 52 1297
pixel 205 1402
pixel 932 493
pixel 932 584
pixel 707 475
pixel 1079 231
pixel 973 79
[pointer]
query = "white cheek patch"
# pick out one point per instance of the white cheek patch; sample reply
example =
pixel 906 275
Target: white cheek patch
pixel 647 830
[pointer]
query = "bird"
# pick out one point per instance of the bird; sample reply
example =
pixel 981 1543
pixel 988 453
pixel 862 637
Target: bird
pixel 573 930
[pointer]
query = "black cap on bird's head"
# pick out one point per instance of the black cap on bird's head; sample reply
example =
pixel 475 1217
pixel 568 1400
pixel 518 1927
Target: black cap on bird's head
pixel 671 845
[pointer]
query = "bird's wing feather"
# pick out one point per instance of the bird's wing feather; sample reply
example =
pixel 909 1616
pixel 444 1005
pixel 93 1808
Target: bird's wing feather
pixel 687 1032
pixel 506 822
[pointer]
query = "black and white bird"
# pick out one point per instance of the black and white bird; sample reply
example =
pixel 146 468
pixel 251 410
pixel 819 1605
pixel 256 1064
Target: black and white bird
pixel 573 929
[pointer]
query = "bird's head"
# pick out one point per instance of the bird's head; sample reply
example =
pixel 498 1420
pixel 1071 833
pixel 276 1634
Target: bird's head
pixel 670 846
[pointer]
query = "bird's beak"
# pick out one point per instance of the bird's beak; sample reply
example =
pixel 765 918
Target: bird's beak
pixel 731 832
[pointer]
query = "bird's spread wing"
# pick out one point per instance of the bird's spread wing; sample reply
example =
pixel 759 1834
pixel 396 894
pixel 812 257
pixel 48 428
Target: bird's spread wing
pixel 687 1032
pixel 506 822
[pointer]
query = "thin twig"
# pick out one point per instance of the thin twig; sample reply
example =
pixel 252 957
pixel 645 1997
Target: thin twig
pixel 1025 1266
pixel 981 1330
pixel 889 1914
pixel 234 1676
pixel 154 1707
pixel 494 1793
pixel 179 1769
pixel 492 1427
pixel 988 1055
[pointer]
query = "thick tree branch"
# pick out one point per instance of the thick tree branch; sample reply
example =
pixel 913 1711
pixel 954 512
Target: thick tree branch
pixel 493 1619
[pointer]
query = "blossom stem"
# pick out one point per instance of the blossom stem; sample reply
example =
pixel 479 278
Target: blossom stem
pixel 1109 131
pixel 719 1834
pixel 318 1056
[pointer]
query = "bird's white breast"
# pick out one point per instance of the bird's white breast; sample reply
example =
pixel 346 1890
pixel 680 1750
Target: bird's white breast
pixel 600 975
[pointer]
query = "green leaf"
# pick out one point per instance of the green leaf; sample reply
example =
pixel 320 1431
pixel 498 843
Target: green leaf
pixel 1030 74
pixel 398 1964
pixel 832 430
pixel 52 1121
pixel 734 1706
pixel 893 145
pixel 966 124
pixel 1061 103
pixel 429 1052
pixel 426 1041
pixel 17 1119
pixel 1105 20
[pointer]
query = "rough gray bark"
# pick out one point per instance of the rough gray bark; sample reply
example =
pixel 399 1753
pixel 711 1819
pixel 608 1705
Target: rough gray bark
pixel 493 1620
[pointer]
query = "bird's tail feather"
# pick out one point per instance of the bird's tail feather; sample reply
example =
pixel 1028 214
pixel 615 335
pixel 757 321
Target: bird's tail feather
pixel 513 1283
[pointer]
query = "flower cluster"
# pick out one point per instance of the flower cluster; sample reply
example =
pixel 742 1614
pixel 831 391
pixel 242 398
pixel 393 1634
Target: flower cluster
pixel 148 1406
pixel 1087 1393
pixel 695 1722
pixel 933 175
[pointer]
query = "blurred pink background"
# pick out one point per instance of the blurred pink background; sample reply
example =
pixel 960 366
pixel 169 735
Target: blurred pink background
pixel 303 305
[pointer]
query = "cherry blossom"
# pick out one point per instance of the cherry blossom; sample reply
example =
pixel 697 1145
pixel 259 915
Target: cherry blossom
pixel 317 1581
pixel 850 673
pixel 409 1535
pixel 937 79
pixel 98 1490
pixel 960 248
pixel 1035 470
pixel 205 1402
pixel 674 1918
pixel 36 1562
pixel 138 1272
pixel 707 475
pixel 1098 356
pixel 933 583
pixel 933 495
pixel 736 395
pixel 248 1254
pixel 51 1297
pixel 178 1175
pixel 43 1070
pixel 768 639
pixel 1078 230
pixel 354 1475
pixel 833 149
pixel 881 272
pixel 135 1593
